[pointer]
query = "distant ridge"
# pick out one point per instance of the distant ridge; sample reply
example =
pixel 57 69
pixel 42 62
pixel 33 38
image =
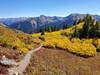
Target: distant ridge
pixel 33 24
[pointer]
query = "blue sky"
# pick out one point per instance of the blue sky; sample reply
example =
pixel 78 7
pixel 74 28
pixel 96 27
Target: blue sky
pixel 27 8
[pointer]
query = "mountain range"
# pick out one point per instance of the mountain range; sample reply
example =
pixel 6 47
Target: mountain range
pixel 33 24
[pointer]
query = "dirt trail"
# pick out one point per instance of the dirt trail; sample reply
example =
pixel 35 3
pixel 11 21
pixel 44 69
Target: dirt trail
pixel 18 70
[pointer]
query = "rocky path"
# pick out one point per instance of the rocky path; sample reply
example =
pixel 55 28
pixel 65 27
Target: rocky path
pixel 18 70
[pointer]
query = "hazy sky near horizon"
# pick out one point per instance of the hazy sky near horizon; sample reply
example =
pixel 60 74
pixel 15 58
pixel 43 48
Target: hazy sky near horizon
pixel 30 8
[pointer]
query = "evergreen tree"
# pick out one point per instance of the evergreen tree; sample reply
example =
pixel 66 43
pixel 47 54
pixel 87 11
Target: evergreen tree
pixel 52 28
pixel 97 25
pixel 90 29
pixel 65 26
pixel 80 20
pixel 76 32
pixel 49 29
pixel 42 31
pixel 75 22
pixel 86 27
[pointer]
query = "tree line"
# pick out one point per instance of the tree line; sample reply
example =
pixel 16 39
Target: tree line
pixel 90 29
pixel 53 28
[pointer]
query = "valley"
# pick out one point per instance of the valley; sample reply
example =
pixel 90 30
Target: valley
pixel 49 37
pixel 73 50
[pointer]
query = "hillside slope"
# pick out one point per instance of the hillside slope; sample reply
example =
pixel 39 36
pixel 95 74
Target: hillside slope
pixel 63 40
pixel 65 55
pixel 15 40
pixel 59 62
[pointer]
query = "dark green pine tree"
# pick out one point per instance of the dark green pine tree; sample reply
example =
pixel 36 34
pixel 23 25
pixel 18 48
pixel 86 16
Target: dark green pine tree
pixel 80 20
pixel 97 25
pixel 92 31
pixel 86 27
pixel 42 31
pixel 76 32
pixel 52 28
pixel 49 29
pixel 65 26
pixel 75 22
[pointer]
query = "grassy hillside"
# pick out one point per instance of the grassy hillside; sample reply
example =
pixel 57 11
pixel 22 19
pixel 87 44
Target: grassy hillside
pixel 59 55
pixel 14 39
pixel 61 39
pixel 14 44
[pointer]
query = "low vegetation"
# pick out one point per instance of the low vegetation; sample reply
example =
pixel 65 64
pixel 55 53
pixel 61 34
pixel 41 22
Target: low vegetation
pixel 80 47
pixel 13 39
pixel 74 46
pixel 81 39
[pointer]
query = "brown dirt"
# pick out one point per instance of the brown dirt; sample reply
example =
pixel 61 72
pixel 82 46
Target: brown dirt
pixel 60 62
pixel 3 71
pixel 22 65
pixel 11 54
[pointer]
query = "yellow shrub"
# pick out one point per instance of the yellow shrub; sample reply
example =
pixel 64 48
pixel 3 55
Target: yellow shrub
pixel 87 40
pixel 10 42
pixel 50 43
pixel 37 41
pixel 36 34
pixel 30 46
pixel 89 49
pixel 18 44
pixel 73 46
pixel 96 42
pixel 63 43
pixel 77 40
pixel 83 49
pixel 68 32
pixel 24 50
